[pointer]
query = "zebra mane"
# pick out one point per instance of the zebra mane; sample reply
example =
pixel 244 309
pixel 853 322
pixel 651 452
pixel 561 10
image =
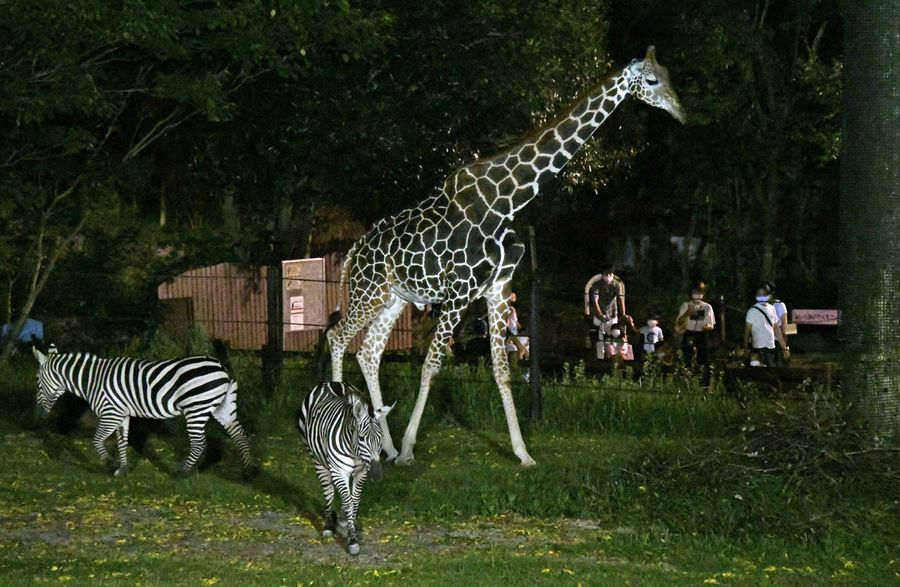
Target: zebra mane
pixel 355 397
pixel 77 355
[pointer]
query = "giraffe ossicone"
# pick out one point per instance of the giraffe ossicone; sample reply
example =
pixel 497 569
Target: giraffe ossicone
pixel 458 245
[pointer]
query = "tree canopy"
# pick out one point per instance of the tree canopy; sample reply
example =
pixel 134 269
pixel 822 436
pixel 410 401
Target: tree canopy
pixel 142 138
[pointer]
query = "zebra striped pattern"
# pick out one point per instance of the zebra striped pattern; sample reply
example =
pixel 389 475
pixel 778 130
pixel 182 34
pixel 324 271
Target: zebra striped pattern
pixel 343 435
pixel 121 388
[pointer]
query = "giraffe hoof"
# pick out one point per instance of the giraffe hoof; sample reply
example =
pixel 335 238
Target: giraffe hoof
pixel 405 460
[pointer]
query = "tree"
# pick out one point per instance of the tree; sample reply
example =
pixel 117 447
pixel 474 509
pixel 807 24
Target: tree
pixel 870 285
pixel 94 93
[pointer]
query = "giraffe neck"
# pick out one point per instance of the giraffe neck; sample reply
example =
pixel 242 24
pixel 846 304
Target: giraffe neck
pixel 519 172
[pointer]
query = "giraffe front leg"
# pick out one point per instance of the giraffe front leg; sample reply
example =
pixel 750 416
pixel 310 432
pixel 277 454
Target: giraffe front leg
pixel 122 442
pixel 497 311
pixel 450 316
pixel 369 358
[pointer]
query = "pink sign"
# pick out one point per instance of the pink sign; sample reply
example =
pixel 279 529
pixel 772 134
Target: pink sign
pixel 826 317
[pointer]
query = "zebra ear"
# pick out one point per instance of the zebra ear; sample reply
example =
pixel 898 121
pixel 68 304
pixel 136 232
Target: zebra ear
pixel 383 411
pixel 41 357
pixel 360 410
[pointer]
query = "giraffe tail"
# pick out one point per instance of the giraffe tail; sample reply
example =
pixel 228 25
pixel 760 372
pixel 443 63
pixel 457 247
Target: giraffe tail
pixel 345 272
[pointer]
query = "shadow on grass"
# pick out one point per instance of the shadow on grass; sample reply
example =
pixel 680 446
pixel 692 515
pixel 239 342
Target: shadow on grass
pixel 288 492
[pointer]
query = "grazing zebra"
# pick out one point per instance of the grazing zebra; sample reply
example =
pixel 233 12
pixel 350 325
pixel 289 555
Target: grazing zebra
pixel 343 435
pixel 117 389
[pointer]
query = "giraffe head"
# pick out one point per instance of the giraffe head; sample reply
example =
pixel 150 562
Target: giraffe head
pixel 650 83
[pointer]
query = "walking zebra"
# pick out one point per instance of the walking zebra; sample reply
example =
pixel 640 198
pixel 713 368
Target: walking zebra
pixel 117 389
pixel 343 436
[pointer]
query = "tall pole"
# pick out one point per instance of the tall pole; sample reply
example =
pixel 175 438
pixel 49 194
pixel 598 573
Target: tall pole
pixel 272 352
pixel 534 369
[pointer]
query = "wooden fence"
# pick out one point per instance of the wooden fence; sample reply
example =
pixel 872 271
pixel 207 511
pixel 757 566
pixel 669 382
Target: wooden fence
pixel 229 303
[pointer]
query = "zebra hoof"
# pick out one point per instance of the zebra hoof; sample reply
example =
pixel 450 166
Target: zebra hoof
pixel 120 472
pixel 183 473
pixel 353 548
pixel 327 533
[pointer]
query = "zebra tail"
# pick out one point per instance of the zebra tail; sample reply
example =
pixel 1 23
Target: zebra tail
pixel 220 350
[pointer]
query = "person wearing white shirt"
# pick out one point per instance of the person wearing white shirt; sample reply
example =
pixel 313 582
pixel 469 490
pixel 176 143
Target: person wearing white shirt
pixel 695 321
pixel 761 329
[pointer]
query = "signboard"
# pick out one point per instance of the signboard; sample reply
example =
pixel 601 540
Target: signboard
pixel 819 317
pixel 304 294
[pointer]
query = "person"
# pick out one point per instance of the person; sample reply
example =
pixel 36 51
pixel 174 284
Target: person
pixel 512 330
pixel 605 305
pixel 761 330
pixel 32 331
pixel 652 335
pixel 782 315
pixel 616 342
pixel 695 320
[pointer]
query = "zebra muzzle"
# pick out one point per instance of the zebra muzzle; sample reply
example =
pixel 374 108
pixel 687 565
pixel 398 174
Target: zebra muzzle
pixel 376 470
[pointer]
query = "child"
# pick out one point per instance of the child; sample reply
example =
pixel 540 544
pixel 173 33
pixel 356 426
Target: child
pixel 652 335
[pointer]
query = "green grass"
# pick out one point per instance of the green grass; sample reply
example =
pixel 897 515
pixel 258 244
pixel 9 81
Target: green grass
pixel 634 485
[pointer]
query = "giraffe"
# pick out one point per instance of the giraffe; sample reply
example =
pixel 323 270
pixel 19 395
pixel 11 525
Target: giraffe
pixel 458 245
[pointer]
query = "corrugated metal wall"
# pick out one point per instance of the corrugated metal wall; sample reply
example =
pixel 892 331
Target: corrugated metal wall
pixel 230 304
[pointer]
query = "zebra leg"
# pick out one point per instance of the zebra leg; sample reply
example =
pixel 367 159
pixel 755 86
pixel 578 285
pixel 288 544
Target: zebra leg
pixel 226 415
pixel 105 428
pixel 122 442
pixel 324 475
pixel 196 424
pixel 355 498
pixel 342 484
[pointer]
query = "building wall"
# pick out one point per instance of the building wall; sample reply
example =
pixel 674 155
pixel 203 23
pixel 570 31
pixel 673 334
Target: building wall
pixel 230 304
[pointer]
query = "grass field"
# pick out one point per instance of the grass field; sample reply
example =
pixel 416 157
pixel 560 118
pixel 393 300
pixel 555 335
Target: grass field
pixel 646 483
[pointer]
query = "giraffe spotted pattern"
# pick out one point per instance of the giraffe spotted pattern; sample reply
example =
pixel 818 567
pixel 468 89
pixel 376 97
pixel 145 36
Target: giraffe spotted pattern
pixel 458 245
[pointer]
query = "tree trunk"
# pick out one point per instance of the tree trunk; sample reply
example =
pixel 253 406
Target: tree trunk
pixel 870 215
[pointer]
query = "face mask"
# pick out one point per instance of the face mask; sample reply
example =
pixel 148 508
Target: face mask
pixel 651 323
pixel 762 298
pixel 697 297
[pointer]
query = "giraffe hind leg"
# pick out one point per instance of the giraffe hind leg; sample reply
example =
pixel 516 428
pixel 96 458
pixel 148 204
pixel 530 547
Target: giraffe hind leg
pixel 359 313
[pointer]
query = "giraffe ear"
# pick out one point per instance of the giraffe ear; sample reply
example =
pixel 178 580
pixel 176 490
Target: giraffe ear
pixel 383 411
pixel 651 54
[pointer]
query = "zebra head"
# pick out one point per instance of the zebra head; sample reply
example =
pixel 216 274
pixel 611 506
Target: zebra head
pixel 369 434
pixel 49 384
